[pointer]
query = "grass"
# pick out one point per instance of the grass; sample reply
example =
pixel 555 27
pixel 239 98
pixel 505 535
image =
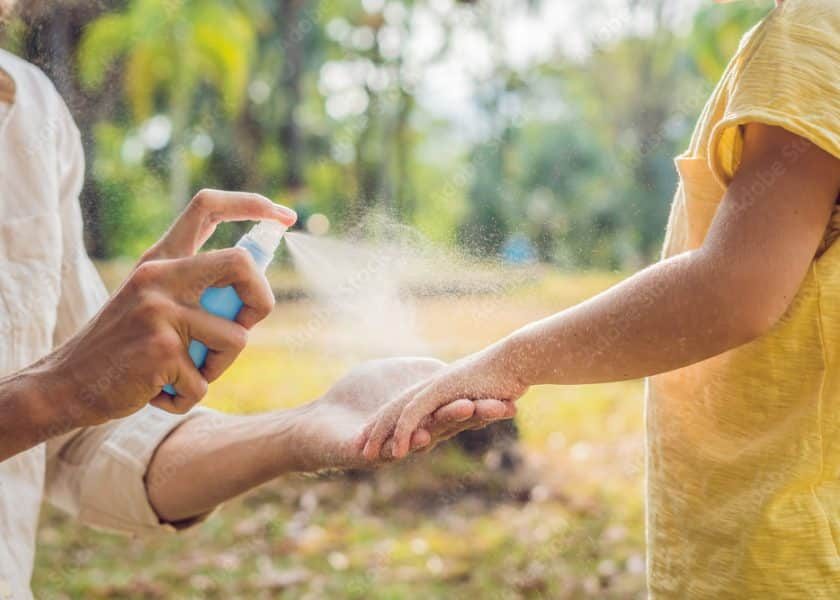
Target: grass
pixel 568 523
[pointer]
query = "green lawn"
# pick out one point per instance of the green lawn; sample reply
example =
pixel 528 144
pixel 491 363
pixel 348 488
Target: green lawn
pixel 568 523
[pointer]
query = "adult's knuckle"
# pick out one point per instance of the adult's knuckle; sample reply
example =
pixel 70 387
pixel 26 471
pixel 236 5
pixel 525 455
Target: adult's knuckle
pixel 265 305
pixel 194 393
pixel 166 343
pixel 209 207
pixel 268 295
pixel 202 200
pixel 238 338
pixel 151 306
pixel 239 261
pixel 145 274
pixel 152 253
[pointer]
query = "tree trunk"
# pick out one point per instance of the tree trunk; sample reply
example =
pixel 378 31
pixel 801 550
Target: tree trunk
pixel 404 196
pixel 293 34
pixel 179 170
pixel 50 42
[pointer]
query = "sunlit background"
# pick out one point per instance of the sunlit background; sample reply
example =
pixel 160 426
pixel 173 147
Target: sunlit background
pixel 533 136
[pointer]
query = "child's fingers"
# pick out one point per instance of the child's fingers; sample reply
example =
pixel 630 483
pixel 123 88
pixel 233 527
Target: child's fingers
pixel 382 426
pixel 387 452
pixel 362 438
pixel 409 420
pixel 381 431
pixel 420 439
pixel 457 411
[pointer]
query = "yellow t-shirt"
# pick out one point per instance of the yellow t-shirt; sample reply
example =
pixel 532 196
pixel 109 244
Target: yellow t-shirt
pixel 743 450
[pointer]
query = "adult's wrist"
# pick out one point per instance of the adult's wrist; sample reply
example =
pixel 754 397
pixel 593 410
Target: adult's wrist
pixel 309 452
pixel 47 404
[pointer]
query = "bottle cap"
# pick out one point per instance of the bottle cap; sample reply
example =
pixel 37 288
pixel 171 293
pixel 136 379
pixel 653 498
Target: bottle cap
pixel 267 235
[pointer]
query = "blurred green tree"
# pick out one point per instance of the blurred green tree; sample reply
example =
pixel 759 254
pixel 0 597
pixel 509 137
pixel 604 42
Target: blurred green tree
pixel 325 105
pixel 716 33
pixel 174 50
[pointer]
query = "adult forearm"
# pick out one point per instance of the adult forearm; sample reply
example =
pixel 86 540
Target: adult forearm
pixel 673 314
pixel 212 458
pixel 33 409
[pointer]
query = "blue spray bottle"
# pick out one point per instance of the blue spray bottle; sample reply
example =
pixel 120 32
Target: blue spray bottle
pixel 261 243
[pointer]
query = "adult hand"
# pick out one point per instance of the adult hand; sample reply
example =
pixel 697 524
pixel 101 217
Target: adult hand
pixel 138 342
pixel 479 376
pixel 330 426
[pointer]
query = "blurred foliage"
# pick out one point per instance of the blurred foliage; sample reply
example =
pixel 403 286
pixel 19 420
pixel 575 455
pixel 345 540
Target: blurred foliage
pixel 326 106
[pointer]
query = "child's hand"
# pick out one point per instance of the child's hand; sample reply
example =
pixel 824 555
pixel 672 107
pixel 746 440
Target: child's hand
pixel 476 377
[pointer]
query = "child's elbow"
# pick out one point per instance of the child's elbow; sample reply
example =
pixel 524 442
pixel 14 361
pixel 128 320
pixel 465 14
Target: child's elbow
pixel 758 326
pixel 756 314
pixel 749 297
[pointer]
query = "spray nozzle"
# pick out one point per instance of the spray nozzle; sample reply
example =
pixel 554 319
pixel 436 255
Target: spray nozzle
pixel 267 235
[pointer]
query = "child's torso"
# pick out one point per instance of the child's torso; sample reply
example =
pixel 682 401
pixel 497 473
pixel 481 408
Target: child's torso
pixel 743 458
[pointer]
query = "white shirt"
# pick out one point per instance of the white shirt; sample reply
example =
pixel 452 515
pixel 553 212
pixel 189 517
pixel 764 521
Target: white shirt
pixel 48 290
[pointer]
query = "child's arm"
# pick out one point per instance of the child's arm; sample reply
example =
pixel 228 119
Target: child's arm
pixel 680 311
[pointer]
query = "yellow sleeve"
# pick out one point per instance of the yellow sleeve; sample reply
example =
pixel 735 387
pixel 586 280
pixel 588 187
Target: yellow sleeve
pixel 789 77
